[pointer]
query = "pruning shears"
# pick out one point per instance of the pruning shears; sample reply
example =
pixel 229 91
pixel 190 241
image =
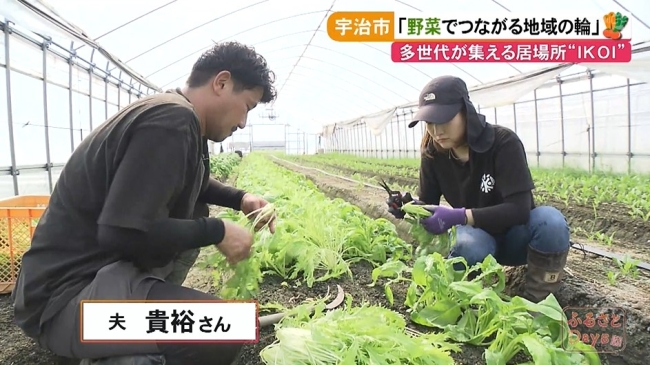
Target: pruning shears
pixel 395 198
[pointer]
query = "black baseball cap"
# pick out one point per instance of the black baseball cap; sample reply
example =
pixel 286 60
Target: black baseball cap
pixel 442 98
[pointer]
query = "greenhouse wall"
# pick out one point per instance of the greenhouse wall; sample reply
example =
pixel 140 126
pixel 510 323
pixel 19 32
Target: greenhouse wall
pixel 54 97
pixel 296 141
pixel 586 121
pixel 52 94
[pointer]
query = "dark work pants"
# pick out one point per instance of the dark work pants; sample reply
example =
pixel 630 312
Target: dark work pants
pixel 198 354
pixel 122 281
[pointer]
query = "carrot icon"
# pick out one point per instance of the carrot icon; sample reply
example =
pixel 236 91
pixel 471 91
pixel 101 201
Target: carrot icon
pixel 609 20
pixel 614 24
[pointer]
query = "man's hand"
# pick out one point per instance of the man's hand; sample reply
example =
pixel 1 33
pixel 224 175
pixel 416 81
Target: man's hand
pixel 236 244
pixel 251 203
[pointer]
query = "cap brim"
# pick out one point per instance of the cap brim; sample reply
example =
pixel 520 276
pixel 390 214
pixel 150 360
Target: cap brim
pixel 436 113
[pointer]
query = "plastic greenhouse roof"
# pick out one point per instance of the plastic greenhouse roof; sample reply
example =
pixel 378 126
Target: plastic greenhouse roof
pixel 319 80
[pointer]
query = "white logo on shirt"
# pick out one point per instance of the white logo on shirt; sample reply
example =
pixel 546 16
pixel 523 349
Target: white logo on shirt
pixel 487 183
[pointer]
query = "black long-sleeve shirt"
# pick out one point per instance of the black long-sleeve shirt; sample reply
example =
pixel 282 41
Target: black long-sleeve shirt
pixel 495 185
pixel 128 191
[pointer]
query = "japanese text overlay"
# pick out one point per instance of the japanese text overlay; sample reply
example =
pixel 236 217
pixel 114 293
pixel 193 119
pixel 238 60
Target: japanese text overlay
pixel 522 51
pixel 593 38
pixel 503 27
pixel 604 329
pixel 142 321
pixel 351 26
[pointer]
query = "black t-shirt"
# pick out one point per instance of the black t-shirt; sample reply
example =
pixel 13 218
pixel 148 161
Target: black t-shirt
pixel 156 141
pixel 485 180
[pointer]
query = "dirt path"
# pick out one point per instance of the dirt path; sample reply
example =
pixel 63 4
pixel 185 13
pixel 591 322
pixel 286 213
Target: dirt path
pixel 586 287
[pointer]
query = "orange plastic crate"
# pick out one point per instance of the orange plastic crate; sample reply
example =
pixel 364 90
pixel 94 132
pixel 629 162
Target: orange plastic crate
pixel 18 219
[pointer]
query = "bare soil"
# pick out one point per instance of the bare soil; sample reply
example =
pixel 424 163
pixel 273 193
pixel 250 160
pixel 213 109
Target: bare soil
pixel 585 285
pixel 18 349
pixel 396 179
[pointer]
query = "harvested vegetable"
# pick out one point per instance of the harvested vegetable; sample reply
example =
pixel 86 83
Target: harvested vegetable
pixel 241 281
pixel 261 215
pixel 428 243
pixel 354 336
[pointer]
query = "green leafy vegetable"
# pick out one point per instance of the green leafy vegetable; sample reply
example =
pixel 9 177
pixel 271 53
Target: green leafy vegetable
pixel 355 336
pixel 476 312
pixel 428 243
pixel 316 238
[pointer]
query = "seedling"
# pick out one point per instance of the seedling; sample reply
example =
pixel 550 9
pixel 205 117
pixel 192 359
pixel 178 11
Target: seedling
pixel 627 266
pixel 611 277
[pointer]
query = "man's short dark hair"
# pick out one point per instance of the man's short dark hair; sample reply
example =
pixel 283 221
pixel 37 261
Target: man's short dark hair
pixel 248 68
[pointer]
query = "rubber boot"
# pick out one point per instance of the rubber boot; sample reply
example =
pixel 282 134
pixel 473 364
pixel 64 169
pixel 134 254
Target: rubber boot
pixel 544 274
pixel 127 360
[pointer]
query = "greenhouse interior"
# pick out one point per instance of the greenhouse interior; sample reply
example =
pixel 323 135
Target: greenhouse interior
pixel 334 144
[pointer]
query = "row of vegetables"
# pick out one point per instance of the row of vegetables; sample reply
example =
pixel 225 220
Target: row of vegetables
pixel 569 186
pixel 318 238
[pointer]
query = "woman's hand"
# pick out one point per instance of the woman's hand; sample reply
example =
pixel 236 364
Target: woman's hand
pixel 443 218
pixel 395 203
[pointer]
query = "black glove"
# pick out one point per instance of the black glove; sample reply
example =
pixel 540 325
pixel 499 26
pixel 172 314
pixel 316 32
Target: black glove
pixel 395 203
pixel 395 212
